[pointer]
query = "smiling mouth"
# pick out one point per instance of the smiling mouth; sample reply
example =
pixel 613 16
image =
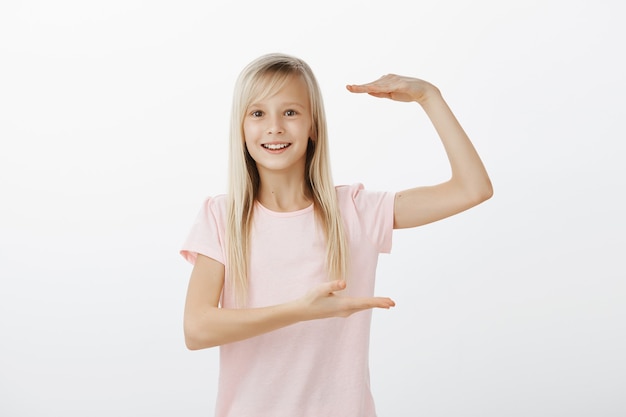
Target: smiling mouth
pixel 275 146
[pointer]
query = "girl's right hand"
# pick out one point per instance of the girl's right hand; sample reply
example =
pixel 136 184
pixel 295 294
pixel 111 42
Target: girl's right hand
pixel 207 324
pixel 324 301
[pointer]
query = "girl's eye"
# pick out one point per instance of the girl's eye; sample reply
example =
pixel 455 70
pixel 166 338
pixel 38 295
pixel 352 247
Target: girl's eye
pixel 256 113
pixel 290 113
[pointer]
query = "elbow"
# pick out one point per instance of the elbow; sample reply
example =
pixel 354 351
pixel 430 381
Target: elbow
pixel 191 339
pixel 192 343
pixel 484 189
pixel 486 192
pixel 195 339
pixel 481 193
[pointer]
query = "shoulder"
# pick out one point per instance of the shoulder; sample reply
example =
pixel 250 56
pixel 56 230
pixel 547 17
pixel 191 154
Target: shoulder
pixel 367 213
pixel 214 207
pixel 348 192
pixel 357 195
pixel 208 230
pixel 216 203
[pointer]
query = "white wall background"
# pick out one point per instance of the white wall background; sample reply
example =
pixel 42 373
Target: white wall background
pixel 113 125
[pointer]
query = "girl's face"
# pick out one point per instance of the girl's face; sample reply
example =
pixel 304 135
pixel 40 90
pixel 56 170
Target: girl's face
pixel 277 129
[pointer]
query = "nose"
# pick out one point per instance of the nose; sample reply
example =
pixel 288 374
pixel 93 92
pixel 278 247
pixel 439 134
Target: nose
pixel 274 126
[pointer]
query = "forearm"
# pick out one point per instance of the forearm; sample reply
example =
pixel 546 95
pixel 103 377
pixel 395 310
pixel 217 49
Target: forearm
pixel 217 326
pixel 212 326
pixel 468 171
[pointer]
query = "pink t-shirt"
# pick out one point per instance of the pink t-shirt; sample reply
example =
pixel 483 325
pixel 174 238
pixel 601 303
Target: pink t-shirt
pixel 317 368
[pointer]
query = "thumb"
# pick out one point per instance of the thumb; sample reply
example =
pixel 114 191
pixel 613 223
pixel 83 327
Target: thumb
pixel 336 285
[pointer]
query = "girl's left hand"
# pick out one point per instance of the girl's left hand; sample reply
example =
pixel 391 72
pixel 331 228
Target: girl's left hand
pixel 396 87
pixel 324 301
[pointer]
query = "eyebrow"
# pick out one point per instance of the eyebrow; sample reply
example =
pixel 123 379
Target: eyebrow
pixel 287 104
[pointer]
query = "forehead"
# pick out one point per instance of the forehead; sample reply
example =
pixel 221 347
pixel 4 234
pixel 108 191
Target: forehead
pixel 279 84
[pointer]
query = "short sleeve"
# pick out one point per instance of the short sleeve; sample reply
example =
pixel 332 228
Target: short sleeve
pixel 206 236
pixel 372 210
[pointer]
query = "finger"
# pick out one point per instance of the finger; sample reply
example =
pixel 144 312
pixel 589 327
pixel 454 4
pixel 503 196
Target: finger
pixel 372 302
pixel 383 93
pixel 336 285
pixel 356 88
pixel 368 88
pixel 380 91
pixel 384 302
pixel 380 95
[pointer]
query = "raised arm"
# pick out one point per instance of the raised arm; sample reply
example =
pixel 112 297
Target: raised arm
pixel 207 325
pixel 469 184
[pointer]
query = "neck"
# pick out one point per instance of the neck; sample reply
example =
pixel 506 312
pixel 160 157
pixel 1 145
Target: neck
pixel 284 193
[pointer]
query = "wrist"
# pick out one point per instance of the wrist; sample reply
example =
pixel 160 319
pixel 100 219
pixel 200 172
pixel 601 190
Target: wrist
pixel 295 311
pixel 430 92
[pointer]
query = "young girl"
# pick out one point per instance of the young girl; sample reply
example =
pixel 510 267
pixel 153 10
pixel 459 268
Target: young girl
pixel 284 264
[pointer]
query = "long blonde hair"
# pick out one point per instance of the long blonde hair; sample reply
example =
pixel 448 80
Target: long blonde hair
pixel 258 80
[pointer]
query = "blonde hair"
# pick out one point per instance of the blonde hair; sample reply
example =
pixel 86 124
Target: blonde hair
pixel 258 80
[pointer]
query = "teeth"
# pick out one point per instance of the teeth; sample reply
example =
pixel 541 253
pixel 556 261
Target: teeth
pixel 275 146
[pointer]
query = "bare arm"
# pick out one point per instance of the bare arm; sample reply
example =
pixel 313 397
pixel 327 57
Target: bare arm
pixel 469 184
pixel 207 325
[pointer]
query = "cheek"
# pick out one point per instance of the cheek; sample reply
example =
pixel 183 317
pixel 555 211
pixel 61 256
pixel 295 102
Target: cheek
pixel 247 134
pixel 250 130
